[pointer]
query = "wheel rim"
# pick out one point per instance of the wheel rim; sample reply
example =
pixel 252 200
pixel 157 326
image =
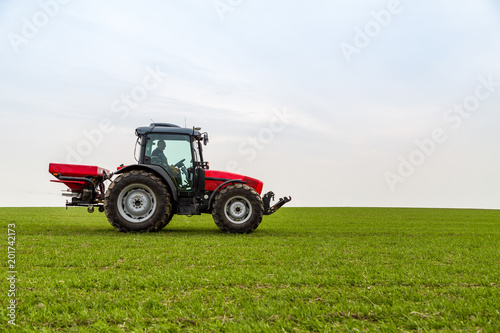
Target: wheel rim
pixel 238 210
pixel 136 203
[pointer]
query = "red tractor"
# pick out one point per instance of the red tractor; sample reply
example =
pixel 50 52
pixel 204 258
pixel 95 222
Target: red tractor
pixel 170 178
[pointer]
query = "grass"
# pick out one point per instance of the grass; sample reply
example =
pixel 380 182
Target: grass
pixel 302 270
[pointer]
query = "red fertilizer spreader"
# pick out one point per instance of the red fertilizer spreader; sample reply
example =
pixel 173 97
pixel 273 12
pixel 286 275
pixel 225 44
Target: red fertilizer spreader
pixel 81 181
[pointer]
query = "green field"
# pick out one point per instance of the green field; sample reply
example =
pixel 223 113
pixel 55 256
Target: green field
pixel 302 270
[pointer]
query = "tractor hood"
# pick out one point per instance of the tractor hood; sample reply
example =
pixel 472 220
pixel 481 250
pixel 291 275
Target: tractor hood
pixel 215 178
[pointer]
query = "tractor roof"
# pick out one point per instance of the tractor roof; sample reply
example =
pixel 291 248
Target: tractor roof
pixel 166 128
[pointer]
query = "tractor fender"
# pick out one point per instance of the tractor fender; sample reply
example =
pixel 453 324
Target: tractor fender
pixel 157 170
pixel 214 193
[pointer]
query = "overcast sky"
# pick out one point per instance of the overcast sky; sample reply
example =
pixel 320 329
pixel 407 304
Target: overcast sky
pixel 336 103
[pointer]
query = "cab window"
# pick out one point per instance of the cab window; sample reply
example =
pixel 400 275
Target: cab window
pixel 174 154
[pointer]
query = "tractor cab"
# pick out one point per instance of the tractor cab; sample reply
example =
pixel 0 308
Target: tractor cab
pixel 177 150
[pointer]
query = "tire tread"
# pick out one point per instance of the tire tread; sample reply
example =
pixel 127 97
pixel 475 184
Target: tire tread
pixel 218 209
pixel 111 198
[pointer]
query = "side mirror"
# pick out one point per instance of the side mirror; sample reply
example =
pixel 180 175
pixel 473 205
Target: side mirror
pixel 205 139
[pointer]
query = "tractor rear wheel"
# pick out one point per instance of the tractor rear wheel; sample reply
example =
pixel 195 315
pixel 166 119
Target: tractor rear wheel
pixel 138 201
pixel 238 209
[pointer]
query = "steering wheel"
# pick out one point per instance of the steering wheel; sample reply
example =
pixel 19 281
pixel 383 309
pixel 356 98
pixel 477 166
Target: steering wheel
pixel 180 163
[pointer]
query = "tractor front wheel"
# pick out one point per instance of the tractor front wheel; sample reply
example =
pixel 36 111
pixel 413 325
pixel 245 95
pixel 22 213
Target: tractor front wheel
pixel 138 201
pixel 238 209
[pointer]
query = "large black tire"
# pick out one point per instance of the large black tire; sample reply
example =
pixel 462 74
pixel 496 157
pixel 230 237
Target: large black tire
pixel 138 201
pixel 238 209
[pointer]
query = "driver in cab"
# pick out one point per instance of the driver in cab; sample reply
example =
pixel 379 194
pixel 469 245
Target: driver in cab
pixel 159 158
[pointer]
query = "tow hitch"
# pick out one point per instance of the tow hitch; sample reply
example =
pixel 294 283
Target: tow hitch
pixel 267 202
